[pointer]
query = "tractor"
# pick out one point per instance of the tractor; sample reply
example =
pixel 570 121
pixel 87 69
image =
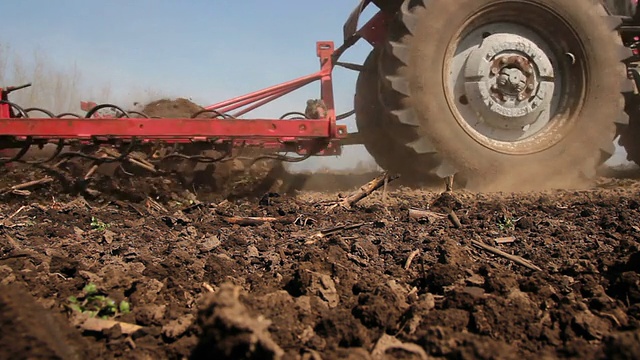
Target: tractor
pixel 501 94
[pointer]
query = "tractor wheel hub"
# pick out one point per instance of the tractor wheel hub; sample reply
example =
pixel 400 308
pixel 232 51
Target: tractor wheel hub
pixel 509 81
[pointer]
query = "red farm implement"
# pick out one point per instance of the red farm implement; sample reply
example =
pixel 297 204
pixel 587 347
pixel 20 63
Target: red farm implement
pixel 220 131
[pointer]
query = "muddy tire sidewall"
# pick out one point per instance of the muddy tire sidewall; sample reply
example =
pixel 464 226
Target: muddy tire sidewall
pixel 377 132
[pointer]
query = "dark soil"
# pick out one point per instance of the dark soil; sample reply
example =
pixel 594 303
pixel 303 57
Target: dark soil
pixel 200 287
pixel 168 108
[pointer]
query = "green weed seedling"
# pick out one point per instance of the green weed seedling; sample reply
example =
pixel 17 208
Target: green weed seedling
pixel 506 223
pixel 98 224
pixel 94 304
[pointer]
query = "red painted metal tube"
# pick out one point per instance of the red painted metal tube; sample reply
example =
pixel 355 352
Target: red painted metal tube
pixel 164 128
pixel 280 90
pixel 228 105
pixel 324 50
pixel 265 101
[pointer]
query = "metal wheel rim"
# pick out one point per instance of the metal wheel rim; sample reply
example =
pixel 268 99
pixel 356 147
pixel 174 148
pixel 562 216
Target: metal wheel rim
pixel 568 83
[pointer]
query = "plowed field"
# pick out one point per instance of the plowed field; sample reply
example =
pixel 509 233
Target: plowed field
pixel 146 270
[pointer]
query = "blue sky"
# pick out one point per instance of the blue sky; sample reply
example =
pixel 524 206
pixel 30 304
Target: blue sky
pixel 205 50
pixel 208 50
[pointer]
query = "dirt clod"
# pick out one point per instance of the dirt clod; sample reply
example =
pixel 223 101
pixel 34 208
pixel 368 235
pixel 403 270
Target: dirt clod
pixel 169 108
pixel 29 331
pixel 229 332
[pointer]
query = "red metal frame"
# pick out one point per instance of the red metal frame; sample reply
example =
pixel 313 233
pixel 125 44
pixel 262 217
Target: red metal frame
pixel 4 110
pixel 269 133
pixel 375 30
pixel 165 129
pixel 324 51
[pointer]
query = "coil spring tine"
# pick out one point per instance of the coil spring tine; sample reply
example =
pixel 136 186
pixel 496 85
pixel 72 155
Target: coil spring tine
pixel 95 109
pixel 300 116
pixel 68 114
pixel 136 113
pixel 56 153
pixel 45 111
pixel 59 146
pixel 224 116
pixel 20 153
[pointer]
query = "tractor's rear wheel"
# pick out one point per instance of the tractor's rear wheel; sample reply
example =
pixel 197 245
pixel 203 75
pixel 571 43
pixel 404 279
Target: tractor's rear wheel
pixel 511 94
pixel 376 132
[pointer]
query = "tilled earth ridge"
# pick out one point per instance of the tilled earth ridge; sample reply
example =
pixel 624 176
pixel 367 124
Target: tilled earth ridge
pixel 200 287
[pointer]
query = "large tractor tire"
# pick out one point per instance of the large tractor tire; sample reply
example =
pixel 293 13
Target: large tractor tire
pixel 510 94
pixel 378 137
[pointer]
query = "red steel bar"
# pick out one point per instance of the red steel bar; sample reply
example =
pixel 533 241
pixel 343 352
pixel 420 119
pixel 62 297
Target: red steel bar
pixel 163 128
pixel 265 101
pixel 261 93
pixel 4 111
pixel 272 92
pixel 325 50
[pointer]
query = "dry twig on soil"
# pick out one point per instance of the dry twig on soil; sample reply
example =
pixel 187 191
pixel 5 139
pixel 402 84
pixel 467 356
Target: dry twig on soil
pixel 99 325
pixel 505 240
pixel 454 219
pixel 412 256
pixel 6 222
pixel 332 231
pixel 364 191
pixel 152 204
pixel 135 208
pixel 418 214
pixel 17 189
pixel 14 244
pixel 94 168
pixel 17 212
pixel 516 259
pixel 195 206
pixel 236 220
pixel 114 154
pixel 208 287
